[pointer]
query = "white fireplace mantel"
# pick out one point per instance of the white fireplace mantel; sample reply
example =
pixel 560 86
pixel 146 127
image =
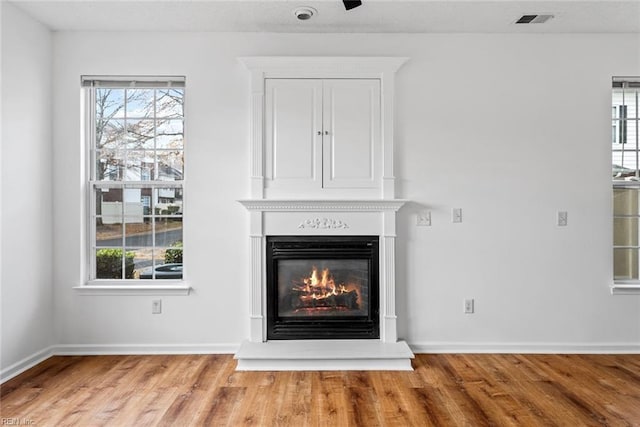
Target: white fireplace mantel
pixel 326 205
pixel 270 217
pixel 345 212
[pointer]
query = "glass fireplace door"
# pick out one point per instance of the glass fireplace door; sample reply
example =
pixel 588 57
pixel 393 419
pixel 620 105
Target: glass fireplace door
pixel 322 287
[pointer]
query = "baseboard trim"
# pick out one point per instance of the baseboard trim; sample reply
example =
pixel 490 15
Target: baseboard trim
pixel 231 348
pixel 112 349
pixel 129 349
pixel 526 348
pixel 26 363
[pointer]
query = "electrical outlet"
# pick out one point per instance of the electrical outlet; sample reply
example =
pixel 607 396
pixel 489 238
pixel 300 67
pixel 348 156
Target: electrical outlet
pixel 468 306
pixel 424 218
pixel 156 306
pixel 456 215
pixel 562 218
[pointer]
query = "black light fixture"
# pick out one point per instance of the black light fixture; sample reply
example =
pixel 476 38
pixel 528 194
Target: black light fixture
pixel 350 4
pixel 533 19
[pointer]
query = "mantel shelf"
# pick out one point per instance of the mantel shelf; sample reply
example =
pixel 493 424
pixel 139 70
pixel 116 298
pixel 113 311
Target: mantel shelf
pixel 328 205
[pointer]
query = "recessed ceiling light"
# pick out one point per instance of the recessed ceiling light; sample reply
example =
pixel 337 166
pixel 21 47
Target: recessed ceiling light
pixel 304 13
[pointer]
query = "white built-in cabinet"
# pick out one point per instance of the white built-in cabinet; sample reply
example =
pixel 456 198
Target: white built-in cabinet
pixel 322 127
pixel 322 134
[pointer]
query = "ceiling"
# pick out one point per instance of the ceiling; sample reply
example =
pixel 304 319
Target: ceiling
pixel 374 16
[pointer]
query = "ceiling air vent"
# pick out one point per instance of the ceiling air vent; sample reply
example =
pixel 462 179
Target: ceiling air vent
pixel 533 19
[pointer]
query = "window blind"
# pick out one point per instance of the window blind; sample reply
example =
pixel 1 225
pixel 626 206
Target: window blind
pixel 133 81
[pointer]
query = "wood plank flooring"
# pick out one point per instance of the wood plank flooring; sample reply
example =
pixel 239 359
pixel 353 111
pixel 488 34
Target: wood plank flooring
pixel 444 390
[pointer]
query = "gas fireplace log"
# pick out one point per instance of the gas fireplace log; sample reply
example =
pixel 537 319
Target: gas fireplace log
pixel 347 299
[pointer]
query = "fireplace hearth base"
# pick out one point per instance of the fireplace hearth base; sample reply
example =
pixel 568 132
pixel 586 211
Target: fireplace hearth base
pixel 324 355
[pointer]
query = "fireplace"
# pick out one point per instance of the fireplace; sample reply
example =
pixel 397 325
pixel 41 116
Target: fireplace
pixel 311 191
pixel 322 287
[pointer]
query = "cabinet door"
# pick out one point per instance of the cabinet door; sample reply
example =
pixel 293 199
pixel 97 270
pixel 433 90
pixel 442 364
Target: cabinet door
pixel 352 141
pixel 293 137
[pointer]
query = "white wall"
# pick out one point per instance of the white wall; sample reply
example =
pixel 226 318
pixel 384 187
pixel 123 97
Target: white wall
pixel 510 128
pixel 26 264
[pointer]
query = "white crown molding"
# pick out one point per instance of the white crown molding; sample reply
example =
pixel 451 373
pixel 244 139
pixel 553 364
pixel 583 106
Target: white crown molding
pixel 323 65
pixel 295 205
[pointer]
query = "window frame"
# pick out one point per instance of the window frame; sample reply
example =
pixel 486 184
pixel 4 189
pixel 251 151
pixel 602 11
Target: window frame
pixel 620 123
pixel 153 286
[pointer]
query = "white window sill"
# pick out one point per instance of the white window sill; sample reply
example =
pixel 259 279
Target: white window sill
pixel 626 288
pixel 105 287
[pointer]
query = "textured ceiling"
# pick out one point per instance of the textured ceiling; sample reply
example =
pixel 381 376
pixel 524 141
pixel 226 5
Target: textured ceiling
pixel 374 16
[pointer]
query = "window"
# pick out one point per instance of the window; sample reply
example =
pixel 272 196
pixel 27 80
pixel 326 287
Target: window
pixel 625 149
pixel 135 134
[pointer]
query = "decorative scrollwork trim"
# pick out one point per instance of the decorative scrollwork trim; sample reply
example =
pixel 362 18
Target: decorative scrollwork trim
pixel 323 223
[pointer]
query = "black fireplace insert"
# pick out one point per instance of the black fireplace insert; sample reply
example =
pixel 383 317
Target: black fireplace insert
pixel 322 287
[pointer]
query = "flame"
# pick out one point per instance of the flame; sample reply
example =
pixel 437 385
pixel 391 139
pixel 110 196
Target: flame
pixel 320 285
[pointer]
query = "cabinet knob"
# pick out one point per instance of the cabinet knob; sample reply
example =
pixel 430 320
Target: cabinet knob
pixel 319 132
pixel 326 132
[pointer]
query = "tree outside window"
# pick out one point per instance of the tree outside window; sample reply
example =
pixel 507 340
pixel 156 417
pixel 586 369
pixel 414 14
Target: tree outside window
pixel 136 151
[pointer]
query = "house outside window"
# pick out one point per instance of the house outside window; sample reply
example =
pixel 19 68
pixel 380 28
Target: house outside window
pixel 135 133
pixel 625 150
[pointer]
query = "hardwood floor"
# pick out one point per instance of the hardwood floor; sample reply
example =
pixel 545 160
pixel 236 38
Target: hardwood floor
pixel 444 390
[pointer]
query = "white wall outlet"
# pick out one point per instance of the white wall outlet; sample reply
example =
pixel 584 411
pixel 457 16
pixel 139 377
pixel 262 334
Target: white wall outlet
pixel 562 218
pixel 424 218
pixel 468 306
pixel 456 215
pixel 156 306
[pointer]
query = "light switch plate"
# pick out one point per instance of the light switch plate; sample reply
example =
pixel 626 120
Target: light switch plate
pixel 156 306
pixel 424 218
pixel 563 218
pixel 456 215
